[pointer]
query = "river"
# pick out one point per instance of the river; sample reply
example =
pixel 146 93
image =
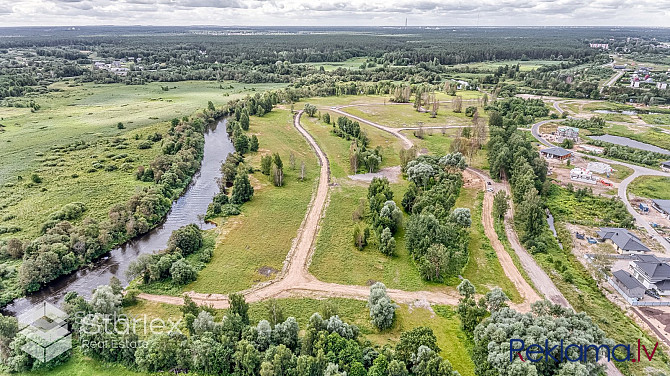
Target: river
pixel 618 140
pixel 188 208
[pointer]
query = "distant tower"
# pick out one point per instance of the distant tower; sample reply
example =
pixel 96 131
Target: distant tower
pixel 405 22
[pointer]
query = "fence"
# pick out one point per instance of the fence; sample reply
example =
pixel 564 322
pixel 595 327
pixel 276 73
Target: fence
pixel 635 302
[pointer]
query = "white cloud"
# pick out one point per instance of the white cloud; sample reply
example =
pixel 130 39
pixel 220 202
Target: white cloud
pixel 337 12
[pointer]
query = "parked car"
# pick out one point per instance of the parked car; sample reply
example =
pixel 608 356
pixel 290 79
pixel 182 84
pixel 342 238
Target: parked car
pixel 653 294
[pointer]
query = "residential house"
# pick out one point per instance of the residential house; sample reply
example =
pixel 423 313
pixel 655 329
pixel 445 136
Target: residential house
pixel 571 133
pixel 556 153
pixel 663 206
pixel 652 273
pixel 623 239
pixel 630 286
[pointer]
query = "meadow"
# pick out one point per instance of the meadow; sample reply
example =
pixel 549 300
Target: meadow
pixel 655 187
pixel 75 145
pixel 251 247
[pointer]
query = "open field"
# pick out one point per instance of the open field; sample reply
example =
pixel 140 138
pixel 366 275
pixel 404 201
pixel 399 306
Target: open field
pixel 656 187
pixel 262 235
pixel 524 65
pixel 405 116
pixel 99 160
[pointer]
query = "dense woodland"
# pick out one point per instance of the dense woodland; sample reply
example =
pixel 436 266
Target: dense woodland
pixel 29 61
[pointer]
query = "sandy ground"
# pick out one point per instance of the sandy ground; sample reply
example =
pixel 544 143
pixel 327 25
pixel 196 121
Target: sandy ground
pixel 391 173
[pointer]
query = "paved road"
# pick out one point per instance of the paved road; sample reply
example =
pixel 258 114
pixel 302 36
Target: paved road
pixel 613 80
pixel 623 186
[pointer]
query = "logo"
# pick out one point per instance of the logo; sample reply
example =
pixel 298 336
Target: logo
pixel 576 352
pixel 45 328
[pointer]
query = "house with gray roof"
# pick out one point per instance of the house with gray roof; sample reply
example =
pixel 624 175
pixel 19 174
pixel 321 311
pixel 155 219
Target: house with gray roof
pixel 663 206
pixel 556 153
pixel 630 286
pixel 623 239
pixel 652 273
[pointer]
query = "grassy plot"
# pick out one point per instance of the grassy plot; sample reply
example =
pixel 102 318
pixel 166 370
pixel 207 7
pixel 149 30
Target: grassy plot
pixel 662 119
pixel 398 116
pixel 252 247
pixel 524 65
pixel 80 365
pixel 75 145
pixel 656 187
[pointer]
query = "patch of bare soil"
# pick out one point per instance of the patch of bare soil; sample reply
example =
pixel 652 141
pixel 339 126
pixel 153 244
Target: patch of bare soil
pixel 391 173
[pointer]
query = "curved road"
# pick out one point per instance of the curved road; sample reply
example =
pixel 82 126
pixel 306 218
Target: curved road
pixel 623 186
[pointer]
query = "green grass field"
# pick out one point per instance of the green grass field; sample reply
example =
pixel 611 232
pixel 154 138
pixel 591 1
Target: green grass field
pixel 89 113
pixel 398 116
pixel 656 187
pixel 262 235
pixel 648 135
pixel 524 65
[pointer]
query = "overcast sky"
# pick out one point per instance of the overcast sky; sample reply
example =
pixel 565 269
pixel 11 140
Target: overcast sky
pixel 336 12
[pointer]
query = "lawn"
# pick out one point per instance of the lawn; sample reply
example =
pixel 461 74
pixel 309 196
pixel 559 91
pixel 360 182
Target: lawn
pixel 262 235
pixel 656 187
pixel 662 119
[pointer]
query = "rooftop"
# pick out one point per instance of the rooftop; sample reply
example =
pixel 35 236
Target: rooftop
pixel 627 280
pixel 655 270
pixel 663 205
pixel 557 151
pixel 623 238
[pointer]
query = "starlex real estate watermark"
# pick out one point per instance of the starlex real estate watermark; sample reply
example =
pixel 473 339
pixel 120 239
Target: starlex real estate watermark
pixel 561 352
pixel 46 331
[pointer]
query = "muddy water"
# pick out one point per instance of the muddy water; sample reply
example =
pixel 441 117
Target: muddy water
pixel 189 208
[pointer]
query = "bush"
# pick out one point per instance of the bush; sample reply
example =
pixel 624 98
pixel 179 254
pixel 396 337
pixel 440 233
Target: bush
pixel 182 272
pixel 145 145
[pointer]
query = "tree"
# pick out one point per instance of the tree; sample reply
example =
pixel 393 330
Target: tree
pixel 411 340
pixel 387 242
pixel 326 118
pixel 266 164
pixel 183 272
pixel 434 263
pixel 238 306
pixel 470 312
pixel 277 170
pixel 553 323
pixel 310 109
pixel 244 121
pixel 500 204
pixel 389 217
pixel 382 310
pixel 531 214
pixel 361 236
pixel 242 189
pixel 496 299
pixel 495 119
pixel 8 328
pixel 15 248
pixel 188 239
pixel 461 216
pixel 302 171
pixel 291 160
pixel 105 301
pixel 120 125
pixel 470 111
pixel 458 104
pixel 253 144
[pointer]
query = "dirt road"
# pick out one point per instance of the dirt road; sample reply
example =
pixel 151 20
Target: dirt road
pixel 525 289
